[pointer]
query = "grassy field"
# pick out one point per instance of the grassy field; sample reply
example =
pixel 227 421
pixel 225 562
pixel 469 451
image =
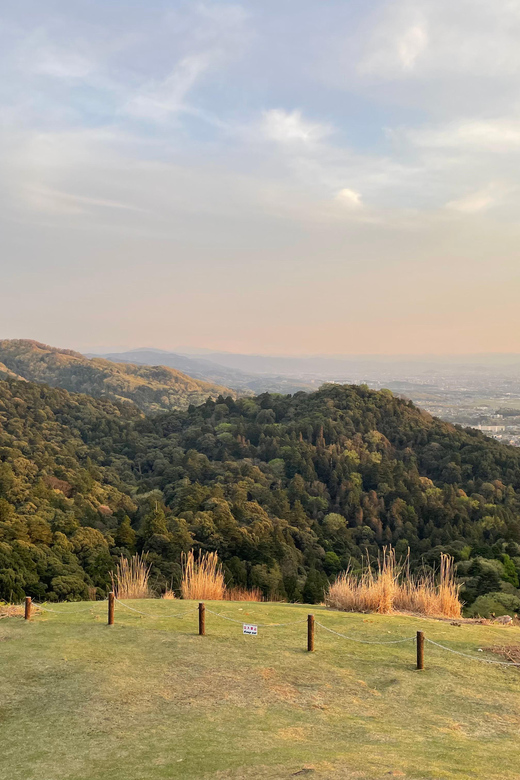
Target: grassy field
pixel 150 699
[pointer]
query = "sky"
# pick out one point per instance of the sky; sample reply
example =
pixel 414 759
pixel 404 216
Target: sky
pixel 277 177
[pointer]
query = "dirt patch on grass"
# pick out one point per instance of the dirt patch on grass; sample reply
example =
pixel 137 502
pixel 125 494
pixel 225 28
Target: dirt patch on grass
pixel 293 733
pixel 16 610
pixel 510 652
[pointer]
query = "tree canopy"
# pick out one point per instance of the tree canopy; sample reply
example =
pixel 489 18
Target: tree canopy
pixel 151 388
pixel 287 489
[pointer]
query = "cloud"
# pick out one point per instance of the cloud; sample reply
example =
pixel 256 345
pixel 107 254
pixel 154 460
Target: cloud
pixel 397 53
pixel 61 65
pixel 425 38
pixel 53 201
pixel 159 100
pixel 480 200
pixel 289 127
pixel 349 198
pixel 501 135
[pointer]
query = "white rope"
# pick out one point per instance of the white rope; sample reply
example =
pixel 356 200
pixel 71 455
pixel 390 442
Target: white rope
pixel 364 641
pixel 260 625
pixel 148 614
pixel 65 611
pixel 473 657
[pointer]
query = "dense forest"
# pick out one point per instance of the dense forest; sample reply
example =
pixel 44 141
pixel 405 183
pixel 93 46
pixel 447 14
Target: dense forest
pixel 151 388
pixel 288 489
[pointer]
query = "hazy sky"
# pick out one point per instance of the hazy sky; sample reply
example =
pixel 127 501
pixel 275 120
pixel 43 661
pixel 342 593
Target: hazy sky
pixel 303 176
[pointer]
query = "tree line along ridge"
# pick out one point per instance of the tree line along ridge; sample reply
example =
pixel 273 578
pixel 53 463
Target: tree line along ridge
pixel 289 490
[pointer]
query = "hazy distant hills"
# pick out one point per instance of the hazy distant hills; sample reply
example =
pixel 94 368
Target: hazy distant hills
pixel 288 374
pixel 222 368
pixel 151 388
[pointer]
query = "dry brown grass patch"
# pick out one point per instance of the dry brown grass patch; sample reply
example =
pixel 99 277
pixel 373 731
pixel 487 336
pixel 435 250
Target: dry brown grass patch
pixel 243 594
pixel 130 580
pixel 16 610
pixel 202 577
pixel 391 588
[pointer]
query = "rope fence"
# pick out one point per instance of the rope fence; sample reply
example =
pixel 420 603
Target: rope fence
pixel 155 617
pixel 364 641
pixel 259 625
pixel 67 611
pixel 473 658
pixel 419 638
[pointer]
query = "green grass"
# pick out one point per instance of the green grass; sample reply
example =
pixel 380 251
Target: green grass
pixel 149 699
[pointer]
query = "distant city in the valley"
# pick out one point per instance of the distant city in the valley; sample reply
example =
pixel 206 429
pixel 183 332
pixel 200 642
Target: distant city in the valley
pixel 481 391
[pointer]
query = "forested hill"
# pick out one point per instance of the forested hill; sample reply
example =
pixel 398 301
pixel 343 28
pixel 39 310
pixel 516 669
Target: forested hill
pixel 151 388
pixel 288 489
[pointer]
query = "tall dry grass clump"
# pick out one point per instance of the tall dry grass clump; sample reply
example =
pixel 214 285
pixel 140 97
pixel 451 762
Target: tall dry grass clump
pixel 369 591
pixel 130 580
pixel 391 588
pixel 202 577
pixel 243 594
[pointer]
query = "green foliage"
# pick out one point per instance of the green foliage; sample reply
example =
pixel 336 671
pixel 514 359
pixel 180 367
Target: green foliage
pixel 125 535
pixel 510 572
pixel 288 490
pixel 495 604
pixel 315 586
pixel 151 388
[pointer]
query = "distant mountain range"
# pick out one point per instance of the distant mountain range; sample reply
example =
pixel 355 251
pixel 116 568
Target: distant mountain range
pixel 257 374
pixel 288 374
pixel 152 388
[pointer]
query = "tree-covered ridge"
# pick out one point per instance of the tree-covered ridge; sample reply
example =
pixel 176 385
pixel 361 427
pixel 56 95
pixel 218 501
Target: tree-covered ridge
pixel 288 489
pixel 318 479
pixel 58 499
pixel 151 388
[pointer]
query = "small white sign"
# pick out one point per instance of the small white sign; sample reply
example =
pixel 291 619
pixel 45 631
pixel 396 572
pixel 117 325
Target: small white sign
pixel 249 629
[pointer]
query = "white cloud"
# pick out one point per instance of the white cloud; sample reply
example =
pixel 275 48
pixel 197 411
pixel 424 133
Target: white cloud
pixel 159 100
pixel 501 135
pixel 62 65
pixel 437 38
pixel 56 202
pixel 290 127
pixel 411 45
pixel 397 51
pixel 349 198
pixel 480 200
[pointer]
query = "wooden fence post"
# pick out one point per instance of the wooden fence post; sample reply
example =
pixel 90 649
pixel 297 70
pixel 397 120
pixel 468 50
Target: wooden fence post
pixel 202 619
pixel 310 633
pixel 420 650
pixel 28 602
pixel 111 600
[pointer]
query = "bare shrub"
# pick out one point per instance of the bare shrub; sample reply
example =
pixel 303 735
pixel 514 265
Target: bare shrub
pixel 131 578
pixel 202 577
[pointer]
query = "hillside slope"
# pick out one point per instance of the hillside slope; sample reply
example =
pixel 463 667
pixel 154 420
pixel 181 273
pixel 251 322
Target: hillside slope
pixel 288 489
pixel 199 367
pixel 148 699
pixel 151 388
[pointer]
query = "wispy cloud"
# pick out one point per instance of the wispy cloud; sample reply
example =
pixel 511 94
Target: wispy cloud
pixel 290 127
pixel 244 130
pixel 159 100
pixel 56 202
pixel 480 200
pixel 394 53
pixel 500 135
pixel 434 38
